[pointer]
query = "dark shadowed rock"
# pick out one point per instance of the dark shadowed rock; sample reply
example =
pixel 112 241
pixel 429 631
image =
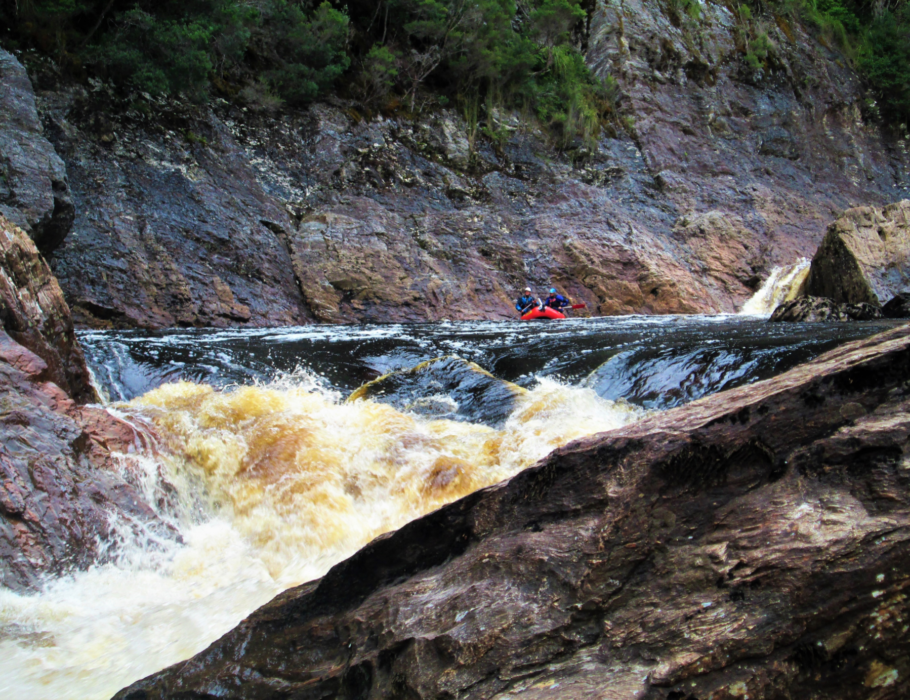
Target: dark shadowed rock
pixel 33 188
pixel 898 306
pixel 446 386
pixel 824 309
pixel 864 257
pixel 752 543
pixel 172 226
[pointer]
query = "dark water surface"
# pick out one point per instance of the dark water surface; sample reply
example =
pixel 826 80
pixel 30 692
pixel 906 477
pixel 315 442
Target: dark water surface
pixel 652 361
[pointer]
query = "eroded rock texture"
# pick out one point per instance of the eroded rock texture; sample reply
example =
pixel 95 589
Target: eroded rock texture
pixel 35 314
pixel 813 309
pixel 752 543
pixel 63 503
pixel 33 187
pixel 711 174
pixel 864 257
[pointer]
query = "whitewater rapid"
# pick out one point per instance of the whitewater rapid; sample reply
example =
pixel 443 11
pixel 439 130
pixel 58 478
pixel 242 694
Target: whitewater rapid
pixel 268 486
pixel 267 476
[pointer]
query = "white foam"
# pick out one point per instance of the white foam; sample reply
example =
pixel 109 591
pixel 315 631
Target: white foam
pixel 782 285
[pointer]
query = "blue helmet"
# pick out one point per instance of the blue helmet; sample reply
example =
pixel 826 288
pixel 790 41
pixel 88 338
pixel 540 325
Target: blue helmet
pixel 553 290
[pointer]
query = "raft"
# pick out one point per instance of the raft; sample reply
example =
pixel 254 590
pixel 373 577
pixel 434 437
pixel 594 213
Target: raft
pixel 545 313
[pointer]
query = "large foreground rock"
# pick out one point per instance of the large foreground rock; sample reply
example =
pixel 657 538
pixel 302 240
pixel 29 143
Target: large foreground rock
pixel 33 188
pixel 750 544
pixel 864 257
pixel 66 500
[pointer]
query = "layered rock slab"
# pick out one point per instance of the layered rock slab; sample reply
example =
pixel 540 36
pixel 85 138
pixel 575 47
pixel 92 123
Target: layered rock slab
pixel 750 543
pixel 864 257
pixel 35 314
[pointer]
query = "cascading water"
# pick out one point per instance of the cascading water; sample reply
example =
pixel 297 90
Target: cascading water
pixel 269 477
pixel 782 285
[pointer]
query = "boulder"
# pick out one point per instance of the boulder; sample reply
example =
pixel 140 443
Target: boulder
pixel 33 188
pixel 824 309
pixel 34 313
pixel 898 307
pixel 749 544
pixel 864 257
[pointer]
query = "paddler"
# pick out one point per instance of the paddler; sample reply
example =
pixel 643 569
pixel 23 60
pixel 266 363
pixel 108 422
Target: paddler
pixel 526 302
pixel 556 301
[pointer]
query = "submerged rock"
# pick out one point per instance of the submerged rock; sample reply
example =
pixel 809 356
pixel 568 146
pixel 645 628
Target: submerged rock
pixel 824 309
pixel 750 543
pixel 864 257
pixel 448 387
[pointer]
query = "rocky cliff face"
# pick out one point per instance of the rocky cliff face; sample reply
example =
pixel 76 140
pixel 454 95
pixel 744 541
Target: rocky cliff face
pixel 750 544
pixel 713 173
pixel 33 187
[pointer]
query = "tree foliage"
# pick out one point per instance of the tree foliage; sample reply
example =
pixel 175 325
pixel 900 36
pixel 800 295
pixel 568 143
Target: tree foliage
pixel 873 34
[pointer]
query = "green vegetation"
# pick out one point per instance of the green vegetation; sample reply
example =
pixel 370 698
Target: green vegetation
pixel 403 55
pixel 872 34
pixel 410 55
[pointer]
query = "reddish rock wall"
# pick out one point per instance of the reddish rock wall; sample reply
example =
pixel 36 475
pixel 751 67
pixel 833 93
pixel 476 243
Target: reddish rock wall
pixel 711 174
pixel 60 486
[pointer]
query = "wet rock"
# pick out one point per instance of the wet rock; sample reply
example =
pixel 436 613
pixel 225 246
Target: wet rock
pixel 898 306
pixel 34 313
pixel 65 502
pixel 172 226
pixel 33 187
pixel 750 543
pixel 447 387
pixel 824 309
pixel 864 257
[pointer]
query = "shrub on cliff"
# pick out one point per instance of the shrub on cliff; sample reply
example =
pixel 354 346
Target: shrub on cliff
pixel 498 53
pixel 873 34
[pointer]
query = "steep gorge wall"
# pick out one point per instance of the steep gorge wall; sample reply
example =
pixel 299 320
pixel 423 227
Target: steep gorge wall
pixel 63 494
pixel 231 217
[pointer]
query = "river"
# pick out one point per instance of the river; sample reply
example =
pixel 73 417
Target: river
pixel 270 475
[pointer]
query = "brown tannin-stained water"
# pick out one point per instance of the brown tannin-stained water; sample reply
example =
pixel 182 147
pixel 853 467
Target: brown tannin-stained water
pixel 270 475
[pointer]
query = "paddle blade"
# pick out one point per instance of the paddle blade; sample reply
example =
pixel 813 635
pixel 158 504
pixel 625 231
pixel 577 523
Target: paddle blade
pixel 578 306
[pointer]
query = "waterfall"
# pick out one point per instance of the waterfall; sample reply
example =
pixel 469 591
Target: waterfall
pixel 782 285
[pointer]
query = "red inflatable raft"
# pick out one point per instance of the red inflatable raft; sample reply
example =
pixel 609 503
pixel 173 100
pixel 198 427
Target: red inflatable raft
pixel 544 313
